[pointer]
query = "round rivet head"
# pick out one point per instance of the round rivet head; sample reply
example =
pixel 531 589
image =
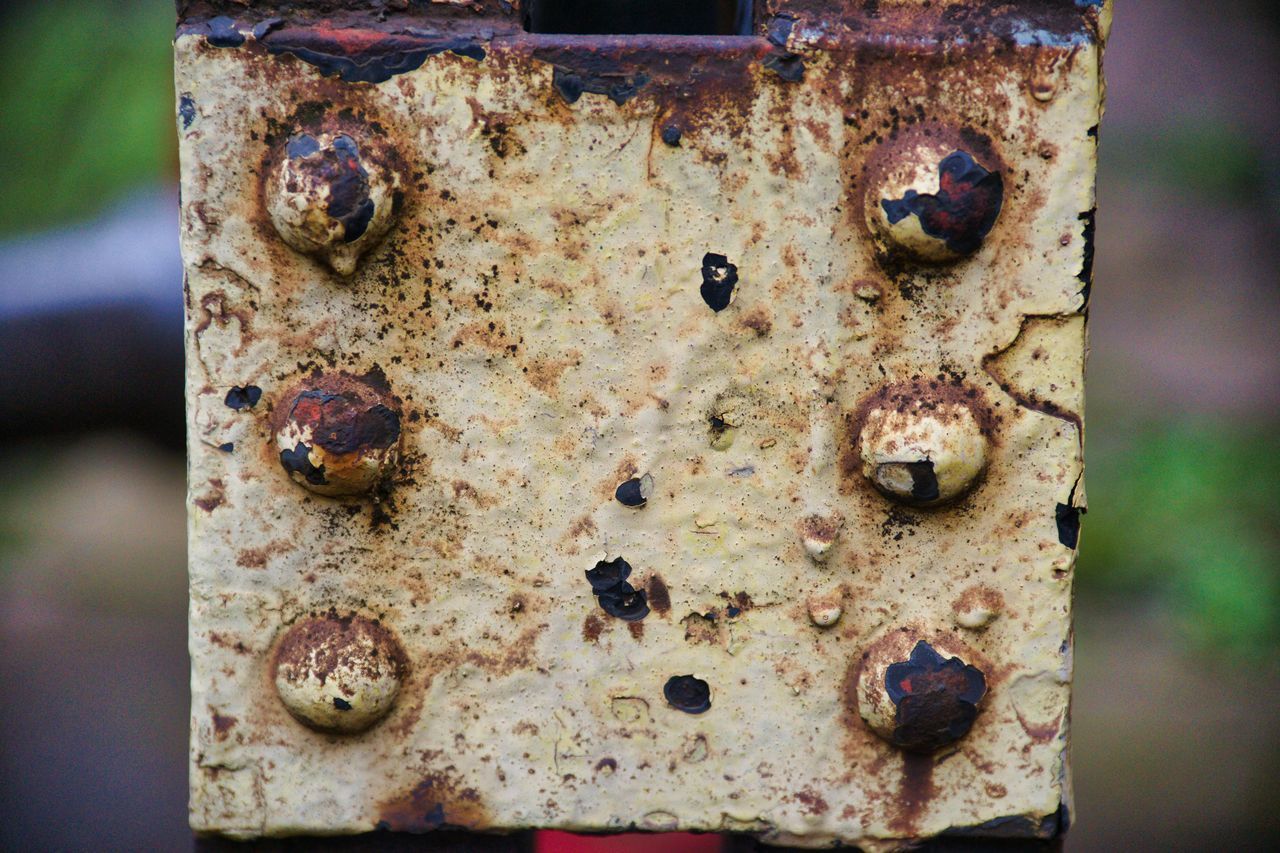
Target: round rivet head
pixel 920 450
pixel 920 701
pixel 825 609
pixel 932 200
pixel 338 674
pixel 339 436
pixel 329 196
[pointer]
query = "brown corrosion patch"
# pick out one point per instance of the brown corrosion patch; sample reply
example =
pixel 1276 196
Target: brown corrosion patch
pixel 812 802
pixel 257 558
pixel 212 499
pixel 439 801
pixel 915 790
pixel 591 628
pixel 979 597
pixel 320 644
pixel 222 725
pixel 659 596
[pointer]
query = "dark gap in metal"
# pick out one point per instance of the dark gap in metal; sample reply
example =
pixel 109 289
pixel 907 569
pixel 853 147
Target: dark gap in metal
pixel 640 17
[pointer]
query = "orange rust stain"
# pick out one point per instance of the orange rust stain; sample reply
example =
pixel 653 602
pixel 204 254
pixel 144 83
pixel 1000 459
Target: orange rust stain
pixel 257 558
pixel 544 373
pixel 438 801
pixel 757 320
pixel 463 489
pixel 980 596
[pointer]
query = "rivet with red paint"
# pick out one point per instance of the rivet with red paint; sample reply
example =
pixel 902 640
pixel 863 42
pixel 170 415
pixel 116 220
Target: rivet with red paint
pixel 328 197
pixel 932 199
pixel 339 435
pixel 920 700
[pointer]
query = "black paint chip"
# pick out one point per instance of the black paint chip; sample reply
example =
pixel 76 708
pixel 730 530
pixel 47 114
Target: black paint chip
pixel 617 597
pixel 349 200
pixel 687 693
pixel 924 482
pixel 227 447
pixel 718 280
pixel 608 574
pixel 298 461
pixel 671 135
pixel 1089 218
pixel 963 210
pixel 186 110
pixel 1068 518
pixel 341 704
pixel 390 55
pixel 243 398
pixel 301 145
pixel 221 32
pixel 619 88
pixel 624 602
pixel 936 698
pixel 634 492
pixel 789 66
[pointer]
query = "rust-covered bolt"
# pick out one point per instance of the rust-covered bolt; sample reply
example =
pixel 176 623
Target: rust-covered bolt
pixel 338 674
pixel 329 198
pixel 920 702
pixel 920 449
pixel 339 435
pixel 933 201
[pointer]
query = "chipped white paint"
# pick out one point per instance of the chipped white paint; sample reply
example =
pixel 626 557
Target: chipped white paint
pixel 535 309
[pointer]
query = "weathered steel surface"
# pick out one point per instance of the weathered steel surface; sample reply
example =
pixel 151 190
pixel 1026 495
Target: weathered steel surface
pixel 656 432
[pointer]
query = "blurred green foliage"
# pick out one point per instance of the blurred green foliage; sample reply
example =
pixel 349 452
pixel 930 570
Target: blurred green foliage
pixel 1210 156
pixel 1190 509
pixel 86 104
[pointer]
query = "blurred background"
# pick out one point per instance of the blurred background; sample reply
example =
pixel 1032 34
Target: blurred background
pixel 1176 736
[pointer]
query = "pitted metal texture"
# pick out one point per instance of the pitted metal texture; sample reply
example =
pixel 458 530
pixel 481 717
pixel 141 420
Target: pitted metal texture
pixel 655 432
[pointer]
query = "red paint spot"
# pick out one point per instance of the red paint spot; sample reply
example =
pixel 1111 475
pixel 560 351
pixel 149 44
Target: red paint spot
pixel 549 841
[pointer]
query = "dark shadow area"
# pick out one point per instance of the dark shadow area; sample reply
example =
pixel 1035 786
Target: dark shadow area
pixel 635 17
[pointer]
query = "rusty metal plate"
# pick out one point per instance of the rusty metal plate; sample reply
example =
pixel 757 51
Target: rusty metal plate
pixel 658 432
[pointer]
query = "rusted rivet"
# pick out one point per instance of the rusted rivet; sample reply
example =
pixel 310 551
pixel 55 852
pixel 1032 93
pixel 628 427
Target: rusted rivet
pixel 922 451
pixel 634 492
pixel 328 197
pixel 687 693
pixel 818 534
pixel 934 203
pixel 339 436
pixel 608 579
pixel 825 609
pixel 923 703
pixel 338 674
